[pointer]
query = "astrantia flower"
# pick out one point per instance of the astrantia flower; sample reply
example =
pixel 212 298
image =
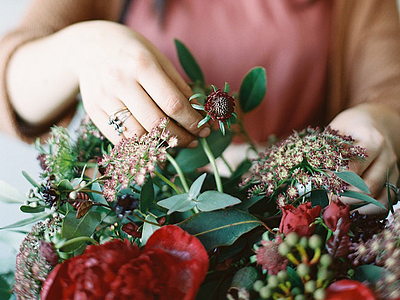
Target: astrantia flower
pixel 133 158
pixel 171 265
pixel 36 258
pixel 269 258
pixel 305 159
pixel 219 106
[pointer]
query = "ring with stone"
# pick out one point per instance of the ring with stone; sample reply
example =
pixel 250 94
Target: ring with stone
pixel 118 118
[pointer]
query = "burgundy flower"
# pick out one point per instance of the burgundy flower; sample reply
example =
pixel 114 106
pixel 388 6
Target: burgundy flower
pixel 335 211
pixel 269 258
pixel 299 219
pixel 348 289
pixel 219 105
pixel 172 265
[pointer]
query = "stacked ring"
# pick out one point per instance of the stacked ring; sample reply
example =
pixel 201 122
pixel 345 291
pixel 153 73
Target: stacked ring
pixel 118 119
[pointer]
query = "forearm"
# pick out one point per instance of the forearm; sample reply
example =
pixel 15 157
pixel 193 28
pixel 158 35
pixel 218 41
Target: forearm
pixel 41 78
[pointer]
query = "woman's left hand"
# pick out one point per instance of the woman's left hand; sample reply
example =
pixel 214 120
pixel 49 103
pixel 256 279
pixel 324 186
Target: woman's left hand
pixel 374 127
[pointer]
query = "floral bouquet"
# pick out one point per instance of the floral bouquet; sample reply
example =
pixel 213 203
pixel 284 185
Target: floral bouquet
pixel 145 220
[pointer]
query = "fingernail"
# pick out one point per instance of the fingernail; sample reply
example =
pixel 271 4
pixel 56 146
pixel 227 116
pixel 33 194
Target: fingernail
pixel 193 144
pixel 205 132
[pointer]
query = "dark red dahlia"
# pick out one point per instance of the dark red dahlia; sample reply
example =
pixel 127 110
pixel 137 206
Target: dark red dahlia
pixel 219 105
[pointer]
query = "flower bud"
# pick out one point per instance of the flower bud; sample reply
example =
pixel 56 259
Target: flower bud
pixel 273 281
pixel 300 297
pixel 315 241
pixel 292 239
pixel 265 292
pixel 326 260
pixel 303 242
pixel 284 249
pixel 282 276
pixel 258 285
pixel 310 286
pixel 303 269
pixel 73 195
pixel 319 294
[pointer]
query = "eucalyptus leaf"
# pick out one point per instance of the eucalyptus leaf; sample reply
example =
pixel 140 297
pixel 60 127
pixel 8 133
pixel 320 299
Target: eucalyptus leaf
pixel 252 89
pixel 180 203
pixel 220 227
pixel 370 273
pixel 213 200
pixel 30 179
pixel 146 196
pixel 362 197
pixel 65 185
pixel 73 227
pixel 195 188
pixel 21 223
pixel 148 229
pixel 191 159
pixel 96 196
pixel 31 209
pixel 9 194
pixel 189 63
pixel 353 179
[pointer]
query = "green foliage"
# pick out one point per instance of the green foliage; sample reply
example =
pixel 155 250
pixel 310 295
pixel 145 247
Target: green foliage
pixel 319 197
pixel 252 89
pixel 245 277
pixel 220 227
pixel 189 63
pixel 148 228
pixel 34 219
pixel 362 197
pixel 146 196
pixel 370 273
pixel 353 179
pixel 5 289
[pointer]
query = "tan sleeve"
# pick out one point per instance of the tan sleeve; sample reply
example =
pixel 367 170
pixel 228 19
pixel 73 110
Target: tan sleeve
pixel 365 58
pixel 43 18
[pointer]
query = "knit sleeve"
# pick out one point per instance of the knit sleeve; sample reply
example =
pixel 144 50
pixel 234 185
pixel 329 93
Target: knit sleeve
pixel 365 65
pixel 43 18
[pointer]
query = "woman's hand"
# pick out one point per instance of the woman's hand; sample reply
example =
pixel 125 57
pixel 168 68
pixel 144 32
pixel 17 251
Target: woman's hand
pixel 114 67
pixel 374 127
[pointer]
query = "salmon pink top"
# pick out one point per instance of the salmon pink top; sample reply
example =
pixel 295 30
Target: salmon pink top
pixel 289 38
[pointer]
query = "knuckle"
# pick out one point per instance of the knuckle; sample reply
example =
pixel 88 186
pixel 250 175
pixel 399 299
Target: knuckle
pixel 144 61
pixel 173 105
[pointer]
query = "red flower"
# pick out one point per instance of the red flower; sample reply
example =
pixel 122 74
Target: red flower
pixel 172 265
pixel 299 219
pixel 335 211
pixel 348 289
pixel 269 258
pixel 219 106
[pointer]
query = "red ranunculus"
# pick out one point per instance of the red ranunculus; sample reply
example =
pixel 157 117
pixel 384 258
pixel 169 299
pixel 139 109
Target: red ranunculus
pixel 348 289
pixel 172 265
pixel 299 219
pixel 335 211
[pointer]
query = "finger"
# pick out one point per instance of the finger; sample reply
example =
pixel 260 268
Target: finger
pixel 149 115
pixel 359 166
pixel 170 99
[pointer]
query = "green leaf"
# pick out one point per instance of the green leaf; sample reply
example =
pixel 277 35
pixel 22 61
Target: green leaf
pixel 5 289
pixel 362 197
pixel 96 196
pixel 204 121
pixel 247 203
pixel 219 228
pixel 21 223
pixel 192 159
pixel 294 278
pixel 222 127
pixel 252 89
pixel 353 179
pixel 198 107
pixel 180 203
pixel 370 273
pixel 226 88
pixel 244 166
pixel 196 186
pixel 30 179
pixel 9 194
pixel 319 197
pixel 245 277
pixel 197 95
pixel 73 227
pixel 65 185
pixel 213 200
pixel 188 63
pixel 146 196
pixel 30 209
pixel 148 228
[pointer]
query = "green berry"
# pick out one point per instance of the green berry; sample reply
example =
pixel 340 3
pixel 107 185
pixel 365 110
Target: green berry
pixel 284 249
pixel 315 241
pixel 292 239
pixel 303 270
pixel 257 285
pixel 310 286
pixel 323 273
pixel 300 297
pixel 320 294
pixel 273 281
pixel 282 276
pixel 303 242
pixel 325 260
pixel 265 292
pixel 296 291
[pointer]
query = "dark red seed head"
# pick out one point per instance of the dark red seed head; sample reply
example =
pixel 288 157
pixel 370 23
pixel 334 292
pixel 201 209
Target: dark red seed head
pixel 219 105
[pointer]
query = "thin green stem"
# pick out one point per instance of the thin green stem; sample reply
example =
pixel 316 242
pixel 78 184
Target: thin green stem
pixel 211 158
pixel 226 164
pixel 167 181
pixel 82 164
pixel 246 135
pixel 77 240
pixel 179 171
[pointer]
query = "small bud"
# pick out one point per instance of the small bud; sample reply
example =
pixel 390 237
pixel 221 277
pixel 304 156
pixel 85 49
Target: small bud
pixel 292 239
pixel 258 285
pixel 300 297
pixel 310 286
pixel 319 294
pixel 82 184
pixel 73 195
pixel 326 260
pixel 273 281
pixel 315 241
pixel 265 292
pixel 282 276
pixel 303 242
pixel 284 249
pixel 303 270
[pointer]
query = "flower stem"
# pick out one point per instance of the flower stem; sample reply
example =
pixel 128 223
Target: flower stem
pixel 211 158
pixel 179 171
pixel 167 181
pixel 78 239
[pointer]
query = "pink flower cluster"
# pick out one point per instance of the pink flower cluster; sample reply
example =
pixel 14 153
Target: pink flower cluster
pixel 133 158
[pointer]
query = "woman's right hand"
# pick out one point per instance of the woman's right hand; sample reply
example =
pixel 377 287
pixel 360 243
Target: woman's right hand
pixel 114 67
